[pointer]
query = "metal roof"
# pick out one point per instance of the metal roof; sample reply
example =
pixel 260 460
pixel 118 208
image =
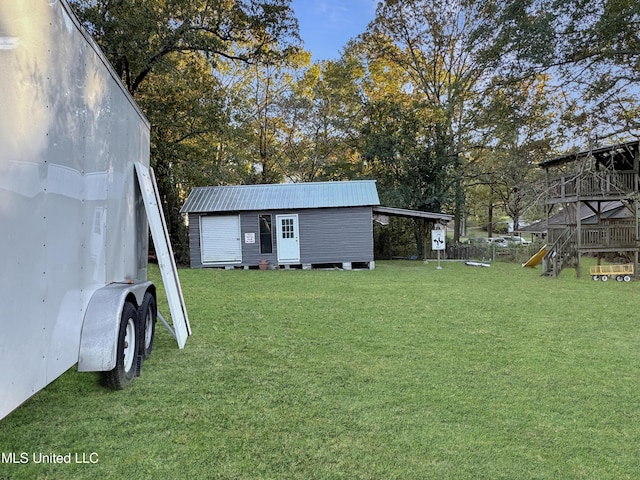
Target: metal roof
pixel 627 149
pixel 403 212
pixel 608 210
pixel 282 196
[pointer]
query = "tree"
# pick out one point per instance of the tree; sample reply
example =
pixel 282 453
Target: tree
pixel 138 35
pixel 399 144
pixel 272 87
pixel 436 44
pixel 322 116
pixel 258 100
pixel 186 117
pixel 515 124
pixel 164 52
pixel 590 49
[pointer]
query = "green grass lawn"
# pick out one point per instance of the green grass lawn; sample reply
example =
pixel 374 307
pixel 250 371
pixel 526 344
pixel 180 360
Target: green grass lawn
pixel 404 372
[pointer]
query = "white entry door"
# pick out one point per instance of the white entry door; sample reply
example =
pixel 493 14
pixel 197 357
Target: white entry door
pixel 220 239
pixel 288 241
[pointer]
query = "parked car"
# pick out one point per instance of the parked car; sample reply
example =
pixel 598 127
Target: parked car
pixel 477 241
pixel 516 240
pixel 498 241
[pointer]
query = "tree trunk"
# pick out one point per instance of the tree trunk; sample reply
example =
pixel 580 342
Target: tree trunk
pixel 490 221
pixel 459 208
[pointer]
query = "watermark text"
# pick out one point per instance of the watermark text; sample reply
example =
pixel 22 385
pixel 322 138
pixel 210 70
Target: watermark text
pixel 89 458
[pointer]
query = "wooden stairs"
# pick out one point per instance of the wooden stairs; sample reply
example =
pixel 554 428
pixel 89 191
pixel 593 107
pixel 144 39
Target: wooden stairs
pixel 562 253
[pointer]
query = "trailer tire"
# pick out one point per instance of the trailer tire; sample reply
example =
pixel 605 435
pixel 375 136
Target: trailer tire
pixel 127 350
pixel 147 314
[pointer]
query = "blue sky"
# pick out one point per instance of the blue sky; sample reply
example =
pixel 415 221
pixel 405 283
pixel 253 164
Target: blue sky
pixel 327 25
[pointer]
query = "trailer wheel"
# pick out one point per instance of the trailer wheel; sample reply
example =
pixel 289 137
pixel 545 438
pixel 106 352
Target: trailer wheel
pixel 627 278
pixel 147 314
pixel 595 278
pixel 127 350
pixel 605 278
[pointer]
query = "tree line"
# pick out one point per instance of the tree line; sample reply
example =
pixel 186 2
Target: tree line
pixel 448 104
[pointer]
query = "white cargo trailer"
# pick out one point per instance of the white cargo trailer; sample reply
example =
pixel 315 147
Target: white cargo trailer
pixel 76 202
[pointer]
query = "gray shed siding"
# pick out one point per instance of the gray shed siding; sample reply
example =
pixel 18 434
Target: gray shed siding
pixel 249 223
pixel 194 240
pixel 336 235
pixel 326 235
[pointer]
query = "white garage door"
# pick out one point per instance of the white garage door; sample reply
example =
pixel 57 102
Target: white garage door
pixel 220 239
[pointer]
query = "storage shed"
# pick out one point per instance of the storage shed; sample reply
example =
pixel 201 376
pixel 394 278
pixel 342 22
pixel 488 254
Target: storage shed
pixel 303 225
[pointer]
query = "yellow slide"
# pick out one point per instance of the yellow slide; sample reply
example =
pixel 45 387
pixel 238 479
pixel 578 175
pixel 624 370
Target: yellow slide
pixel 537 258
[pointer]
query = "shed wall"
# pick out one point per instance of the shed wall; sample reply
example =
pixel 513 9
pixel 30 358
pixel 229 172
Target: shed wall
pixel 327 235
pixel 195 252
pixel 336 235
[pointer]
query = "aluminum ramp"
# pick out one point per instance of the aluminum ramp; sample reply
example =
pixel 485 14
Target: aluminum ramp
pixel 158 226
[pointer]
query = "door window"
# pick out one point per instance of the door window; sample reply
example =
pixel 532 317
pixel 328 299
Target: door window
pixel 287 228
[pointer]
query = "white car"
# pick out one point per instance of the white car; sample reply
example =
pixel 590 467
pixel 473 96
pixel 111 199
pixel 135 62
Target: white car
pixel 498 241
pixel 517 240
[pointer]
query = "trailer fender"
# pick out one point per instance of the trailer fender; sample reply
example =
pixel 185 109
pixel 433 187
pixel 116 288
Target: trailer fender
pixel 99 337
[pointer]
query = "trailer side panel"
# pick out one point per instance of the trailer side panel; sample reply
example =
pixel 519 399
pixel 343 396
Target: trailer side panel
pixel 71 214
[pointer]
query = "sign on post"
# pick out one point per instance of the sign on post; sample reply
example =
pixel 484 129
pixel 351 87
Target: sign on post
pixel 438 242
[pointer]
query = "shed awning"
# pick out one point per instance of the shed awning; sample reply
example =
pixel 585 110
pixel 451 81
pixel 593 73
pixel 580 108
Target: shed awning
pixel 402 212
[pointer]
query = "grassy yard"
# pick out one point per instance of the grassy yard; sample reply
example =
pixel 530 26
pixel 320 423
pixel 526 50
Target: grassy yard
pixel 404 372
